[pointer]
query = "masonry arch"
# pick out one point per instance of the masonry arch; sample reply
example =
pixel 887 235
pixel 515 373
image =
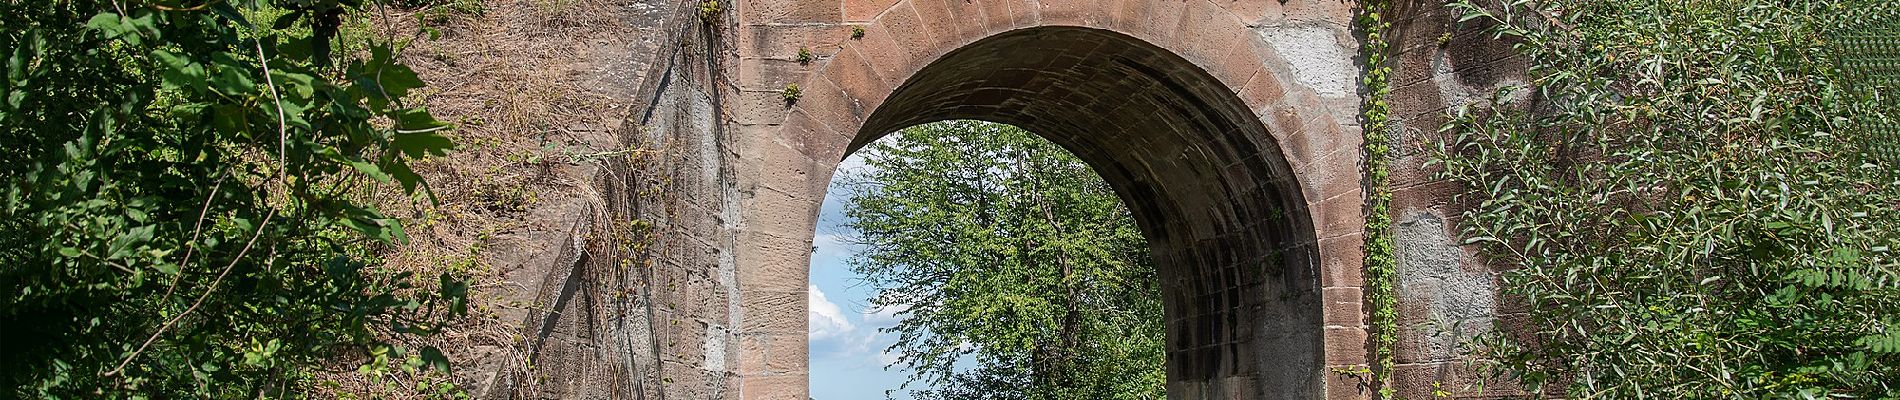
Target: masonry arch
pixel 1246 186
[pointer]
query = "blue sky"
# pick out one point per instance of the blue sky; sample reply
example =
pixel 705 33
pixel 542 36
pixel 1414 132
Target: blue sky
pixel 847 351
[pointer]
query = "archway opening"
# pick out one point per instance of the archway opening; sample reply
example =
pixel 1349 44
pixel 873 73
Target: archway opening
pixel 975 260
pixel 1208 186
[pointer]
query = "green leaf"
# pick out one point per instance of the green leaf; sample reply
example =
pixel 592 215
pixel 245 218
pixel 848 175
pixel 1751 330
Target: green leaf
pixel 107 24
pixel 287 20
pixel 402 174
pixel 224 10
pixel 232 79
pixel 180 71
pixel 370 169
pixel 418 120
pixel 374 229
pixel 456 291
pixel 418 145
pixel 434 358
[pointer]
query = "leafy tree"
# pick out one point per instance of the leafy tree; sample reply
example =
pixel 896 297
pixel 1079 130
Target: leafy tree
pixel 183 186
pixel 1685 203
pixel 1019 273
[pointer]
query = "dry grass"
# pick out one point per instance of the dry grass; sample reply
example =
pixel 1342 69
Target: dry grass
pixel 538 90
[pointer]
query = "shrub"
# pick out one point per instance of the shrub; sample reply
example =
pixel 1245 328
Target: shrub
pixel 181 214
pixel 1683 203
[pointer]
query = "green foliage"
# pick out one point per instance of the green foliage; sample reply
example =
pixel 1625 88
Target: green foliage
pixel 709 11
pixel 1380 265
pixel 1870 58
pixel 804 55
pixel 1682 202
pixel 1021 275
pixel 791 93
pixel 857 32
pixel 180 209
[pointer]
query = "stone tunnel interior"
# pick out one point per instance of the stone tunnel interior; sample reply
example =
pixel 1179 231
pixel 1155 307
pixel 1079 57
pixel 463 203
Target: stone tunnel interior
pixel 1208 186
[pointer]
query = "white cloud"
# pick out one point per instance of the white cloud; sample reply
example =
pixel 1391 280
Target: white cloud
pixel 826 320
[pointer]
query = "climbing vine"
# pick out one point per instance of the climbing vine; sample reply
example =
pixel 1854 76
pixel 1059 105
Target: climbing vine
pixel 1381 271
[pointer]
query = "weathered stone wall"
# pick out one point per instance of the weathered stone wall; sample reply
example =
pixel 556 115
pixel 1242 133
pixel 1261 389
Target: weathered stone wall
pixel 633 298
pixel 1446 294
pixel 1230 127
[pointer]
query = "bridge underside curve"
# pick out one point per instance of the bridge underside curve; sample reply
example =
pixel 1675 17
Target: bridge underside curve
pixel 1203 177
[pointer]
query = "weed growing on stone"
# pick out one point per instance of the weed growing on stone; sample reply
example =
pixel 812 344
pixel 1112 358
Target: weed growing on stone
pixel 791 93
pixel 709 11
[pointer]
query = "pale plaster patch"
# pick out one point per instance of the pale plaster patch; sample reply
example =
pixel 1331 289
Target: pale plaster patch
pixel 1458 303
pixel 714 347
pixel 1317 57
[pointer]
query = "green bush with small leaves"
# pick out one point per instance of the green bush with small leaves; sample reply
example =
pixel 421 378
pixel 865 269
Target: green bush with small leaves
pixel 1681 199
pixel 791 93
pixel 181 199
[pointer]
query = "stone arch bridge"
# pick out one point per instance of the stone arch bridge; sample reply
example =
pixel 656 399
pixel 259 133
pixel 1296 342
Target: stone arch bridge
pixel 1230 127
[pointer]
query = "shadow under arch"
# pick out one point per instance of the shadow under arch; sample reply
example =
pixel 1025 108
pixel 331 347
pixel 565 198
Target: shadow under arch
pixel 1207 183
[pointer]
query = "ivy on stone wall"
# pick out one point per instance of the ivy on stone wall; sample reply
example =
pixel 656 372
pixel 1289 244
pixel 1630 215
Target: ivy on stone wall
pixel 1380 267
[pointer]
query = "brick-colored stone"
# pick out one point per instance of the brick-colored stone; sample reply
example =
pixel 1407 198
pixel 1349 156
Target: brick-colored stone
pixel 865 10
pixel 1333 11
pixel 1345 345
pixel 1026 13
pixel 1343 306
pixel 774 387
pixel 789 12
pixel 1208 33
pixel 1251 182
pixel 886 55
pixel 1339 216
pixel 774 313
pixel 768 74
pixel 760 107
pixel 906 26
pixel 1342 261
pixel 817 140
pixel 776 212
pixel 1160 22
pixel 1340 386
pixel 782 42
pixel 824 100
pixel 775 263
pixel 772 354
pixel 1252 11
pixel 1072 13
pixel 945 24
pixel 996 16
